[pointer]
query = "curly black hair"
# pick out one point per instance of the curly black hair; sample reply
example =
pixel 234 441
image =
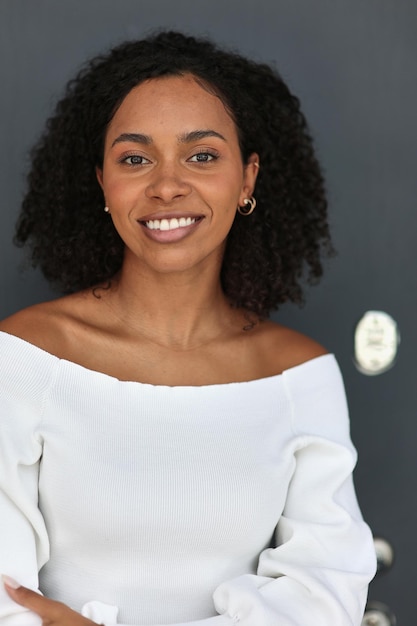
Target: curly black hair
pixel 267 254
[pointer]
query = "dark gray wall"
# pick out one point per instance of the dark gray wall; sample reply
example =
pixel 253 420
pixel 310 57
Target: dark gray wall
pixel 353 63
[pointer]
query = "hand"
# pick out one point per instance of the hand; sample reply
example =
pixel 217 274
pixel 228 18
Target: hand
pixel 51 612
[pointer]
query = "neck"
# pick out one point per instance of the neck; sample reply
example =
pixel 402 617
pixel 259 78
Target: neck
pixel 177 309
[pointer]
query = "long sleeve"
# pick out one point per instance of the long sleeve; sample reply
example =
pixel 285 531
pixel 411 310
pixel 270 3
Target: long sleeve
pixel 319 571
pixel 24 543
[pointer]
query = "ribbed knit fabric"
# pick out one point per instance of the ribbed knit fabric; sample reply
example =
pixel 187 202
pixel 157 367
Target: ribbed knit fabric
pixel 163 505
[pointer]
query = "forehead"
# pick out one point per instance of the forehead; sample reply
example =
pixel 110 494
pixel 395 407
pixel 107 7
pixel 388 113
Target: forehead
pixel 175 103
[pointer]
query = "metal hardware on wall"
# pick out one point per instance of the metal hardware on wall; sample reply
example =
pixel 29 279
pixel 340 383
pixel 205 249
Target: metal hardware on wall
pixel 378 614
pixel 384 555
pixel 376 343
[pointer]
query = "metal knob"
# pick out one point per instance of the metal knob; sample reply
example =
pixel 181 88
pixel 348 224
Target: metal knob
pixel 376 343
pixel 384 555
pixel 378 614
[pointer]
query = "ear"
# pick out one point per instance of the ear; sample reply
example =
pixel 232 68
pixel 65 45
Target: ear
pixel 99 175
pixel 250 174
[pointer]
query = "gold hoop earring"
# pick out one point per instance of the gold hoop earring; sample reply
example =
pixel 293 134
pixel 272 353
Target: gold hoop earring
pixel 247 211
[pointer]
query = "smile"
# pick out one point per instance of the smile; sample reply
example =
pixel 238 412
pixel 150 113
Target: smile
pixel 171 224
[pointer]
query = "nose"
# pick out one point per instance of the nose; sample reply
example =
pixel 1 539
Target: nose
pixel 167 183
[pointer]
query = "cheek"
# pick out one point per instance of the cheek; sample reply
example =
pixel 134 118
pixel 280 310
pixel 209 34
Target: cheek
pixel 231 199
pixel 228 187
pixel 121 190
pixel 224 216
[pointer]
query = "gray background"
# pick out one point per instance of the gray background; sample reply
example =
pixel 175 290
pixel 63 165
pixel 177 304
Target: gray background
pixel 353 64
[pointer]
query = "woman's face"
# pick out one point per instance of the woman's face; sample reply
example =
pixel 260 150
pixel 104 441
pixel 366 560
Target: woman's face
pixel 173 175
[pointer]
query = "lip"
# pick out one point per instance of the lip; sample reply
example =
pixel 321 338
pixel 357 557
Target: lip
pixel 174 235
pixel 165 215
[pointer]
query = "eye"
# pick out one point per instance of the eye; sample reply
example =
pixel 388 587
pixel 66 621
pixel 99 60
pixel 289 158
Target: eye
pixel 134 159
pixel 203 157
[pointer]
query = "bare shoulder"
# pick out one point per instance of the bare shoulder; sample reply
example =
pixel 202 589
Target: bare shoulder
pixel 44 325
pixel 285 348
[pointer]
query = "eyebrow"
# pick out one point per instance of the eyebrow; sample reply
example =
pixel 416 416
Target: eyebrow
pixel 194 135
pixel 133 137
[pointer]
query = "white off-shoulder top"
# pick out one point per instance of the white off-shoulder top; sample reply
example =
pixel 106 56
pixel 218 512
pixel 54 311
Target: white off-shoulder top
pixel 207 506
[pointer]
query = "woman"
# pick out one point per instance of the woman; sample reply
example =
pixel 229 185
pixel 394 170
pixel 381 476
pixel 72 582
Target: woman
pixel 169 455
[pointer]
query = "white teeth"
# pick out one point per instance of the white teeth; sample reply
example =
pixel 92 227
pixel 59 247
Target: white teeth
pixel 171 224
pixel 174 223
